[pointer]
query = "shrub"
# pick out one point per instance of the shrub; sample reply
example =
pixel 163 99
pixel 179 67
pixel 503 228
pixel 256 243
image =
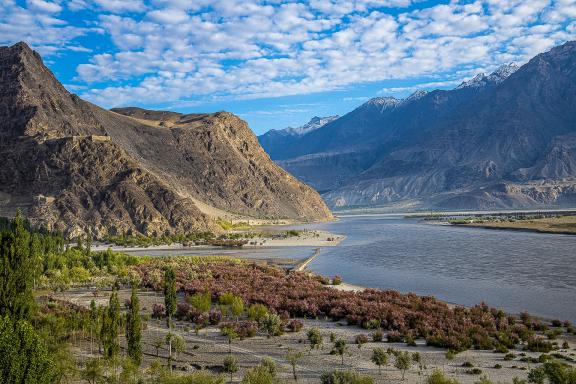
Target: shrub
pixel 158 311
pixel 200 301
pixel 315 338
pixel 467 364
pixel 295 325
pixel 474 371
pixel 215 317
pixel 371 324
pixel 509 356
pixel 269 365
pixel 244 329
pixel 272 325
pixel 437 377
pixel 361 340
pixel 501 349
pixel 498 366
pixel 336 280
pixel 537 344
pixel 394 337
pixel 257 312
pixel 258 375
pixel 345 377
pixel 377 336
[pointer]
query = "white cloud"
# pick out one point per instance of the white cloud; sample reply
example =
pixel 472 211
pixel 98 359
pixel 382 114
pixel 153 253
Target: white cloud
pixel 187 51
pixel 38 25
pixel 43 6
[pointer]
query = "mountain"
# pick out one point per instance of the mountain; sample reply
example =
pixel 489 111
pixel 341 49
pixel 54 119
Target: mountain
pixel 503 140
pixel 275 140
pixel 74 167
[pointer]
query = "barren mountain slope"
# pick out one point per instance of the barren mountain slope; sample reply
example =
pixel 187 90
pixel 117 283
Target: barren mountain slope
pixel 76 167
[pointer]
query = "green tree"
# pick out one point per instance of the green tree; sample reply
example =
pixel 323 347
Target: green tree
pixel 293 357
pixel 272 325
pixel 24 357
pixel 237 306
pixel 269 365
pixel 230 334
pixel 403 362
pixel 93 371
pixel 258 375
pixel 315 338
pixel 170 298
pixel 111 325
pixel 201 301
pixel 88 243
pixel 36 256
pixel 230 366
pixel 380 358
pixel 134 329
pixel 257 312
pixel 345 377
pixel 16 272
pixel 170 304
pixel 158 342
pixel 437 377
pixel 340 347
pixel 93 322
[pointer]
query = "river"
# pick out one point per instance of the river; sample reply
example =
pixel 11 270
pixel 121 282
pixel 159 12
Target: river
pixel 512 270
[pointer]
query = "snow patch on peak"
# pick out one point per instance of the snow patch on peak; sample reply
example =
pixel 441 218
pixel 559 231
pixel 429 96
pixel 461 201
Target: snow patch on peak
pixel 314 123
pixel 503 72
pixel 495 78
pixel 383 103
pixel 416 95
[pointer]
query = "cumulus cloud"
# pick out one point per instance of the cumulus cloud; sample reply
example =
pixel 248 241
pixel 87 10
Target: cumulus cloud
pixel 192 51
pixel 39 24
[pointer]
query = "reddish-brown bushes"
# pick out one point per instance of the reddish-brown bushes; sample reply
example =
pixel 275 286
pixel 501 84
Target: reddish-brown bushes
pixel 300 295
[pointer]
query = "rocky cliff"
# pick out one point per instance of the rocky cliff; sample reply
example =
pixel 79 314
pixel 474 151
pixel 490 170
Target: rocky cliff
pixel 75 167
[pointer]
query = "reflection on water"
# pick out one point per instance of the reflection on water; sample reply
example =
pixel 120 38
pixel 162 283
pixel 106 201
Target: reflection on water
pixel 513 270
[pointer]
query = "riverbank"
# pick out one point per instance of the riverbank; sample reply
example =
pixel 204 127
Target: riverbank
pixel 270 239
pixel 565 225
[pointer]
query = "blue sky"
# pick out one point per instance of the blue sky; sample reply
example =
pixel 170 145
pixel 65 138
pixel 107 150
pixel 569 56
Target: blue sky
pixel 277 63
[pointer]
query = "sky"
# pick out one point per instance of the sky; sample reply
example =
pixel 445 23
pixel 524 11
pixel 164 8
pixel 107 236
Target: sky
pixel 277 63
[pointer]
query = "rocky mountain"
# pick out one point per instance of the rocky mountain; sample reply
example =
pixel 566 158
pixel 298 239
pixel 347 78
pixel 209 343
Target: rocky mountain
pixel 73 166
pixel 275 140
pixel 503 140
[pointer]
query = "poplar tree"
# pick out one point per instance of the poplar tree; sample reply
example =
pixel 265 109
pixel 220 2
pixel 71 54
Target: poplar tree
pixel 16 271
pixel 169 294
pixel 24 357
pixel 134 329
pixel 110 326
pixel 170 305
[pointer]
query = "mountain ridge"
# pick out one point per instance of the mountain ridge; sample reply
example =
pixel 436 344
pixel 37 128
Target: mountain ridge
pixel 75 167
pixel 498 144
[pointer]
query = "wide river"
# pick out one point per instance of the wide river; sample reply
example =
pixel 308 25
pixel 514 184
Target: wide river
pixel 512 270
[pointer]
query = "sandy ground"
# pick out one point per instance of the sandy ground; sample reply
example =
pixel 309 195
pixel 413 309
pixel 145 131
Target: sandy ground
pixel 306 239
pixel 207 350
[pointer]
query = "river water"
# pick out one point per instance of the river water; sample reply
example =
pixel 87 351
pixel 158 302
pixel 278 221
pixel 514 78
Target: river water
pixel 512 270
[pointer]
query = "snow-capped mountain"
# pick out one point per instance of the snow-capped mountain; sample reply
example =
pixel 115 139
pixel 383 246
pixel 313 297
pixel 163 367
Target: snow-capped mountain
pixel 496 77
pixel 314 123
pixel 503 140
